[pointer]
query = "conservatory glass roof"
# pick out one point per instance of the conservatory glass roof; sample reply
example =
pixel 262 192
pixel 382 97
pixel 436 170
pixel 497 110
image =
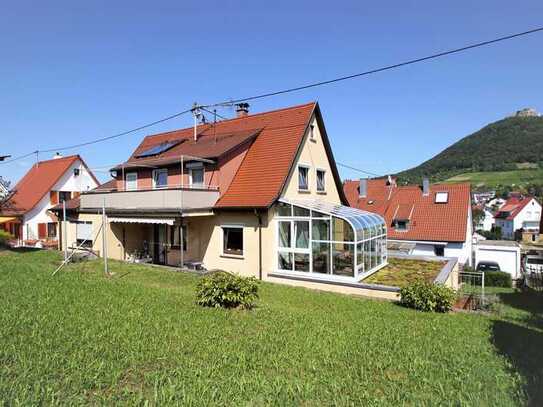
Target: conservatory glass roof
pixel 365 224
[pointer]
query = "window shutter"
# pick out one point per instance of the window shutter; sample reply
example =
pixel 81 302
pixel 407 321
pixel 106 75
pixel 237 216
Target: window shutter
pixel 54 197
pixel 42 230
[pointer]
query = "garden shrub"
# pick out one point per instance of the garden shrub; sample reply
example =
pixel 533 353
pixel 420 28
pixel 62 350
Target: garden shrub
pixel 425 296
pixel 227 290
pixel 498 279
pixel 4 238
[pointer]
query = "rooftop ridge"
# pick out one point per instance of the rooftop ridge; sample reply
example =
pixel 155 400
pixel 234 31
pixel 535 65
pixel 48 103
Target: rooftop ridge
pixel 235 118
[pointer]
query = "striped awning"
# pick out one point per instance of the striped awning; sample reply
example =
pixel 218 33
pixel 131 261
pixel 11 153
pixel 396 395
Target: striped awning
pixel 4 219
pixel 155 221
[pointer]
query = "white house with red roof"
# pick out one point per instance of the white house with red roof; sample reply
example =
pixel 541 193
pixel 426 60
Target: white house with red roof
pixel 428 220
pixel 27 216
pixel 258 195
pixel 519 213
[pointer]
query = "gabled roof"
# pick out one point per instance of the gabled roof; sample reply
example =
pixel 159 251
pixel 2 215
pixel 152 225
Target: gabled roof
pixel 273 140
pixel 263 173
pixel 213 141
pixel 37 183
pixel 428 221
pixel 512 207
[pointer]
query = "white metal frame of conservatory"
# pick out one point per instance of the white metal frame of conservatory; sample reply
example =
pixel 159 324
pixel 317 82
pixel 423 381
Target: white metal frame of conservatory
pixel 327 241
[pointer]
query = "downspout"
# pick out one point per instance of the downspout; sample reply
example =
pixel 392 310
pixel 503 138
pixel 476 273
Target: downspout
pixel 259 217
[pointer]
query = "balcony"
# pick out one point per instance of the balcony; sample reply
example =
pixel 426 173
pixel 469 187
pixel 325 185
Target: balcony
pixel 171 199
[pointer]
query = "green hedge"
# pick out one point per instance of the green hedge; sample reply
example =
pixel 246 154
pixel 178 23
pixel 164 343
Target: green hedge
pixel 497 279
pixel 4 237
pixel 227 290
pixel 425 296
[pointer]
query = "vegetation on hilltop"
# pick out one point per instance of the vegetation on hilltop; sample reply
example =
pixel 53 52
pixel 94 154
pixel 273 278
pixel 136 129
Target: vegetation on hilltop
pixel 498 146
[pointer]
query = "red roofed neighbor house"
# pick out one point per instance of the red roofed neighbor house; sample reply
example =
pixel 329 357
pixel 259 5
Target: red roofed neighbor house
pixel 26 213
pixel 518 213
pixel 259 195
pixel 429 220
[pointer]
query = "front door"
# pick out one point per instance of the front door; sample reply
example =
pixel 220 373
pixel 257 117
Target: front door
pixel 159 244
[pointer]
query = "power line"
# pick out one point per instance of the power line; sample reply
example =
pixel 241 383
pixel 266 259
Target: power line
pixel 377 70
pixel 359 170
pixel 294 89
pixel 99 140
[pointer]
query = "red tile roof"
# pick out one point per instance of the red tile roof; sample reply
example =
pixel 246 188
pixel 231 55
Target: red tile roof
pixel 428 221
pixel 273 139
pixel 37 183
pixel 263 173
pixel 512 207
pixel 211 142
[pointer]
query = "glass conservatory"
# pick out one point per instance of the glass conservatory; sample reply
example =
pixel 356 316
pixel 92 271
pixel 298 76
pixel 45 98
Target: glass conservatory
pixel 329 241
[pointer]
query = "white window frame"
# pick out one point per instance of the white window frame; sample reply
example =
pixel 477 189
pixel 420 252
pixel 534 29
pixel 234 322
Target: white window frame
pixel 198 168
pixel 234 256
pixel 156 171
pixel 317 170
pixel 135 180
pixel 308 168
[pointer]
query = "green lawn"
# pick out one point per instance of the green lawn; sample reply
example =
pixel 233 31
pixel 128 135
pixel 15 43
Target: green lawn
pixel 82 338
pixel 400 272
pixel 495 178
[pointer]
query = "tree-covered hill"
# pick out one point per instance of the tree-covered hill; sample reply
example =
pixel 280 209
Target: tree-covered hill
pixel 496 147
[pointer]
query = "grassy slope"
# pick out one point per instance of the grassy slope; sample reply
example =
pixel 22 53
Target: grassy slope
pixel 81 338
pixel 496 178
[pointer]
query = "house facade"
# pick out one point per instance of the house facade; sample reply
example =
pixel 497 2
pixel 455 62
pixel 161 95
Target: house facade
pixel 27 214
pixel 258 195
pixel 519 214
pixel 428 220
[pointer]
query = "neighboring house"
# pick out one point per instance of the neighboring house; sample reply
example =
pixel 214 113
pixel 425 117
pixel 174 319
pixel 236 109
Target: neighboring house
pixel 26 214
pixel 258 195
pixel 486 221
pixel 519 213
pixel 428 220
pixel 4 188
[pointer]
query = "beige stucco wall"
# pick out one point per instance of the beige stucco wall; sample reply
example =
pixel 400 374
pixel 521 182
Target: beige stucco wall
pixel 312 154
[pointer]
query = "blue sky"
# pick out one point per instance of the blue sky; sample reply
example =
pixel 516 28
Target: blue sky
pixel 73 71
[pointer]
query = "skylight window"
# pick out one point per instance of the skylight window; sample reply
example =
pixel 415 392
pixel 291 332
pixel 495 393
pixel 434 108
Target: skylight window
pixel 442 197
pixel 158 149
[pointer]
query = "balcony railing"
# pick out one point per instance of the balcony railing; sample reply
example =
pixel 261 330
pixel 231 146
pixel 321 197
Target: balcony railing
pixel 173 198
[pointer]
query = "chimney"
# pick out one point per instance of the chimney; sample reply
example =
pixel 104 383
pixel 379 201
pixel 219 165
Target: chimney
pixel 425 186
pixel 57 156
pixel 363 188
pixel 242 109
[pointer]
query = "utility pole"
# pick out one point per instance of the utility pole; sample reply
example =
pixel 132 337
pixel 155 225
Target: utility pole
pixel 104 234
pixel 64 237
pixel 181 254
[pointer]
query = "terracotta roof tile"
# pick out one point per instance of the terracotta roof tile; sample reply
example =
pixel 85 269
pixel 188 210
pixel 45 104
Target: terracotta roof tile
pixel 428 221
pixel 37 182
pixel 512 207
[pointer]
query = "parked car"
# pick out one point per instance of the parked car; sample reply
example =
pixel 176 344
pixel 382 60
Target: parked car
pixel 488 266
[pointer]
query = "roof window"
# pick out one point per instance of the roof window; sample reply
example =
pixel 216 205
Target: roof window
pixel 442 197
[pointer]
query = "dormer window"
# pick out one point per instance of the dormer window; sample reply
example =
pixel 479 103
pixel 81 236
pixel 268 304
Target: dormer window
pixel 196 174
pixel 160 178
pixel 401 224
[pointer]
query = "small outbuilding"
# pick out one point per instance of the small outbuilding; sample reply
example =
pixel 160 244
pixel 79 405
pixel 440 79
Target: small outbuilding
pixel 504 252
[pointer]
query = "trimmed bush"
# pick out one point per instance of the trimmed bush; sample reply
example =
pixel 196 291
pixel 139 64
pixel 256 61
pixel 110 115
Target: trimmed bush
pixel 498 279
pixel 428 297
pixel 4 238
pixel 227 290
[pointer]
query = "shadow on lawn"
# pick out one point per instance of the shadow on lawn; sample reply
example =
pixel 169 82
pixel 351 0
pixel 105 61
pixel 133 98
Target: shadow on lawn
pixel 521 342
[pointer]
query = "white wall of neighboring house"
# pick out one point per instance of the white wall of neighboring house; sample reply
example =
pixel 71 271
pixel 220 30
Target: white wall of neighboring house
pixel 528 217
pixel 487 221
pixel 68 182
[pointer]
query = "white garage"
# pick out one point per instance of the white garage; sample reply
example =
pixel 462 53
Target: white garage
pixel 504 252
